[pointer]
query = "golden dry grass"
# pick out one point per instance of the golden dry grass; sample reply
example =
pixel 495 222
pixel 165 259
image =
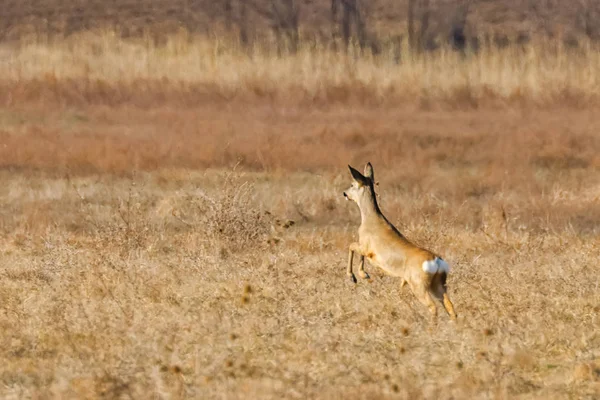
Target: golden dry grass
pixel 100 68
pixel 177 283
pixel 146 249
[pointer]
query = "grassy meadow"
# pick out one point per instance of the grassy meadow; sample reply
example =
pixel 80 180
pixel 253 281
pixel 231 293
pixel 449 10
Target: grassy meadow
pixel 172 222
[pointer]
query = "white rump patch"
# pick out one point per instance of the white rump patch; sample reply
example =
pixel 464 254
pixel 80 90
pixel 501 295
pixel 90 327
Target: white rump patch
pixel 443 265
pixel 435 266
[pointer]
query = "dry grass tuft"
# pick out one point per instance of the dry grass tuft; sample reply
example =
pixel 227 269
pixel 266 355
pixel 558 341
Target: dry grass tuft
pixel 587 372
pixel 229 219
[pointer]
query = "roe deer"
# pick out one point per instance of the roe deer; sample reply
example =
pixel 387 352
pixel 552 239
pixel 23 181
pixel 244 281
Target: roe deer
pixel 386 248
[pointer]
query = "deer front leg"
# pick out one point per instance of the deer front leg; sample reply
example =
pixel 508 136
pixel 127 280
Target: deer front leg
pixel 354 247
pixel 361 268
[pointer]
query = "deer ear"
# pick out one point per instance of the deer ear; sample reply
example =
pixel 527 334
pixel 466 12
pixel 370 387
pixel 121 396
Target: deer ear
pixel 357 176
pixel 369 172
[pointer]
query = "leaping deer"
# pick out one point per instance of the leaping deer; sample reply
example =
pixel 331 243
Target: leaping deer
pixel 386 248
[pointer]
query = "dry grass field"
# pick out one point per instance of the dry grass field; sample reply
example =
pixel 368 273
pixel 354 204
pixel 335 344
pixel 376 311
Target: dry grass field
pixel 172 222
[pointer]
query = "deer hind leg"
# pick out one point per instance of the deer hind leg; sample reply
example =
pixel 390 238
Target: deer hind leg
pixel 423 295
pixel 449 306
pixel 439 291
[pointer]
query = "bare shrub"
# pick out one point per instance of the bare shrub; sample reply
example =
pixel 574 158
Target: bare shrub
pixel 228 217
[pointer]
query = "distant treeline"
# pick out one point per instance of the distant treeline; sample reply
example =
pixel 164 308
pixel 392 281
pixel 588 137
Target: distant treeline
pixel 372 25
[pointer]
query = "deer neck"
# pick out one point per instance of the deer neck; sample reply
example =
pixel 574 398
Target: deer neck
pixel 369 209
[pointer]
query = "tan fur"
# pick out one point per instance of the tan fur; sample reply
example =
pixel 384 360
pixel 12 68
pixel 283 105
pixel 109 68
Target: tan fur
pixel 385 247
